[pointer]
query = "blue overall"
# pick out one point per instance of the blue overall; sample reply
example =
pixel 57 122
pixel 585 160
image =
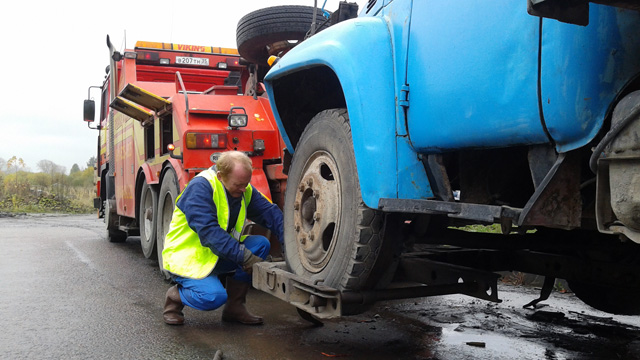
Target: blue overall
pixel 208 293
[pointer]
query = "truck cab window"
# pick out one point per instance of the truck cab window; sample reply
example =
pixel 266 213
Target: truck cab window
pixel 149 142
pixel 166 132
pixel 104 103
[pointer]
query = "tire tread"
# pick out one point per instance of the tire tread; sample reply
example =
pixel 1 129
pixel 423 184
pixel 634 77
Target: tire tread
pixel 266 26
pixel 367 237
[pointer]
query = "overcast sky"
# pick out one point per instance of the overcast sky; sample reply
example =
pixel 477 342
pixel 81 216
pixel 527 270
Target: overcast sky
pixel 52 51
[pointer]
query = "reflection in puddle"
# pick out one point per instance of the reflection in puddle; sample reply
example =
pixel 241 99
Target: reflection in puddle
pixel 467 344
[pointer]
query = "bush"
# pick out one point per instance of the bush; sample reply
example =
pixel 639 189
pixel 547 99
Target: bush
pixel 42 193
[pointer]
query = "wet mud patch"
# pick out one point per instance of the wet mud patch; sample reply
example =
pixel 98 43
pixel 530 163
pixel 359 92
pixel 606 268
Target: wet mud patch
pixel 562 327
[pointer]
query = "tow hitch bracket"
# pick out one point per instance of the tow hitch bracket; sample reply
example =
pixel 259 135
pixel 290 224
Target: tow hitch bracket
pixel 320 301
pixel 324 302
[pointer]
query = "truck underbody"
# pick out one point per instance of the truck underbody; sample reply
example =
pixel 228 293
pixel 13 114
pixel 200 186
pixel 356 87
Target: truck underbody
pixel 454 261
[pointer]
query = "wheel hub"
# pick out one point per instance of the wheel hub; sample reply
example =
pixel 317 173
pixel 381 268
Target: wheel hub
pixel 317 211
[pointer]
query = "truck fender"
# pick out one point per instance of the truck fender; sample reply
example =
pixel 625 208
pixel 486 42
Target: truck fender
pixel 178 168
pixel 360 54
pixel 149 176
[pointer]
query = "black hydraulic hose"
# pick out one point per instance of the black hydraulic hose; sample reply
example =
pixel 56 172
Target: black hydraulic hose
pixel 615 130
pixel 540 109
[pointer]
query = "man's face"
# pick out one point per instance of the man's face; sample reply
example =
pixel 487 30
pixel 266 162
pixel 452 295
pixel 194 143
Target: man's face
pixel 237 181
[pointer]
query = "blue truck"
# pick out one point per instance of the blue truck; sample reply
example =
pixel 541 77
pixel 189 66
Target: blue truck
pixel 415 121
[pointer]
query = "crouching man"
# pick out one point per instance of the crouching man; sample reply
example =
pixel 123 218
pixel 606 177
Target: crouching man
pixel 204 241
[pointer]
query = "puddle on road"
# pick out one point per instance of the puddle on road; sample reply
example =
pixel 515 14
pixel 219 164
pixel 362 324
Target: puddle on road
pixel 460 345
pixel 563 328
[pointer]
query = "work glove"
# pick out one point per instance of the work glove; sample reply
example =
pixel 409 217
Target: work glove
pixel 249 260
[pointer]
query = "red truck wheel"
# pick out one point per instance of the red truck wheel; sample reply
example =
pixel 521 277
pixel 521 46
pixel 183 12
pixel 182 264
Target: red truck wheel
pixel 330 235
pixel 114 234
pixel 147 218
pixel 166 202
pixel 271 30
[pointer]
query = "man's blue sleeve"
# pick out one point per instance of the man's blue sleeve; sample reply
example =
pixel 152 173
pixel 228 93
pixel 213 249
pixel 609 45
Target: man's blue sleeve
pixel 196 202
pixel 266 214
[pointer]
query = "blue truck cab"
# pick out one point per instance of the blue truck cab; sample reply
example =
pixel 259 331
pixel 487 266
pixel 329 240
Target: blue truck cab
pixel 419 118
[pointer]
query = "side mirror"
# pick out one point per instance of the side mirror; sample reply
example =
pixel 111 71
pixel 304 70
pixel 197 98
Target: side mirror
pixel 89 110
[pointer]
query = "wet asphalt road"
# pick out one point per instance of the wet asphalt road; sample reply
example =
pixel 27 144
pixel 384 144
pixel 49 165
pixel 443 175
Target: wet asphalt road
pixel 66 293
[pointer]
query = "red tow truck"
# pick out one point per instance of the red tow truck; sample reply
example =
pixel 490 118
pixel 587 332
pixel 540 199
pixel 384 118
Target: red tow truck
pixel 166 112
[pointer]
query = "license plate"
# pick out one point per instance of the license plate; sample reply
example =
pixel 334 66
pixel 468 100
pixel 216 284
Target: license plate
pixel 187 60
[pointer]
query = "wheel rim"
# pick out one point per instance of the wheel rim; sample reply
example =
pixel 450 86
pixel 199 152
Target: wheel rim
pixel 317 211
pixel 107 213
pixel 165 221
pixel 147 217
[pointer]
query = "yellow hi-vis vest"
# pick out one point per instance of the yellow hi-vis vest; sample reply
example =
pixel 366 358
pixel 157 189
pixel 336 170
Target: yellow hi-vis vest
pixel 183 253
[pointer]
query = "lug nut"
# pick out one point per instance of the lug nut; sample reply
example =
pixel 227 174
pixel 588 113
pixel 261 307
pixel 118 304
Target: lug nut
pixel 296 205
pixel 316 217
pixel 303 240
pixel 310 182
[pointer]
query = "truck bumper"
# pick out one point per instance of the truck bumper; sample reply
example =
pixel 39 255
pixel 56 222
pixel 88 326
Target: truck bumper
pixel 323 302
pixel 320 301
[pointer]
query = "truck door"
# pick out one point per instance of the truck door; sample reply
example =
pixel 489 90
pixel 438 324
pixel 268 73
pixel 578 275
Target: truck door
pixel 472 75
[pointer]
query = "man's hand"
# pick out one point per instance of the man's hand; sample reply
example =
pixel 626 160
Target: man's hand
pixel 249 260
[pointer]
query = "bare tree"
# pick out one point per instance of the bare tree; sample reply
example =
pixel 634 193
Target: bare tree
pixel 46 166
pixel 15 164
pixel 52 169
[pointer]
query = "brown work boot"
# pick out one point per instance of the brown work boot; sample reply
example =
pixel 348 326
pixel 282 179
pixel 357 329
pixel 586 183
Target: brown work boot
pixel 234 309
pixel 173 307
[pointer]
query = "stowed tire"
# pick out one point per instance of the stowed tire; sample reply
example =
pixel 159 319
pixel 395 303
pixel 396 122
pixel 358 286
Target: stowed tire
pixel 331 237
pixel 270 30
pixel 166 201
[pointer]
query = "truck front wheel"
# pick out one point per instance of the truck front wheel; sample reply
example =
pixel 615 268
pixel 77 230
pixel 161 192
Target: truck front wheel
pixel 331 236
pixel 114 234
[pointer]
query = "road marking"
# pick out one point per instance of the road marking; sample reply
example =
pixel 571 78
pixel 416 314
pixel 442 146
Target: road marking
pixel 81 255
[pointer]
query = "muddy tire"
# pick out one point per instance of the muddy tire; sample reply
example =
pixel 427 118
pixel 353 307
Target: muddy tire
pixel 147 218
pixel 611 283
pixel 166 202
pixel 114 234
pixel 271 30
pixel 331 237
pixel 614 300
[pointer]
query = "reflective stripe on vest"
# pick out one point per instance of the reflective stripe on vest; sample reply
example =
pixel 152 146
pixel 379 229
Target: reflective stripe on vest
pixel 183 253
